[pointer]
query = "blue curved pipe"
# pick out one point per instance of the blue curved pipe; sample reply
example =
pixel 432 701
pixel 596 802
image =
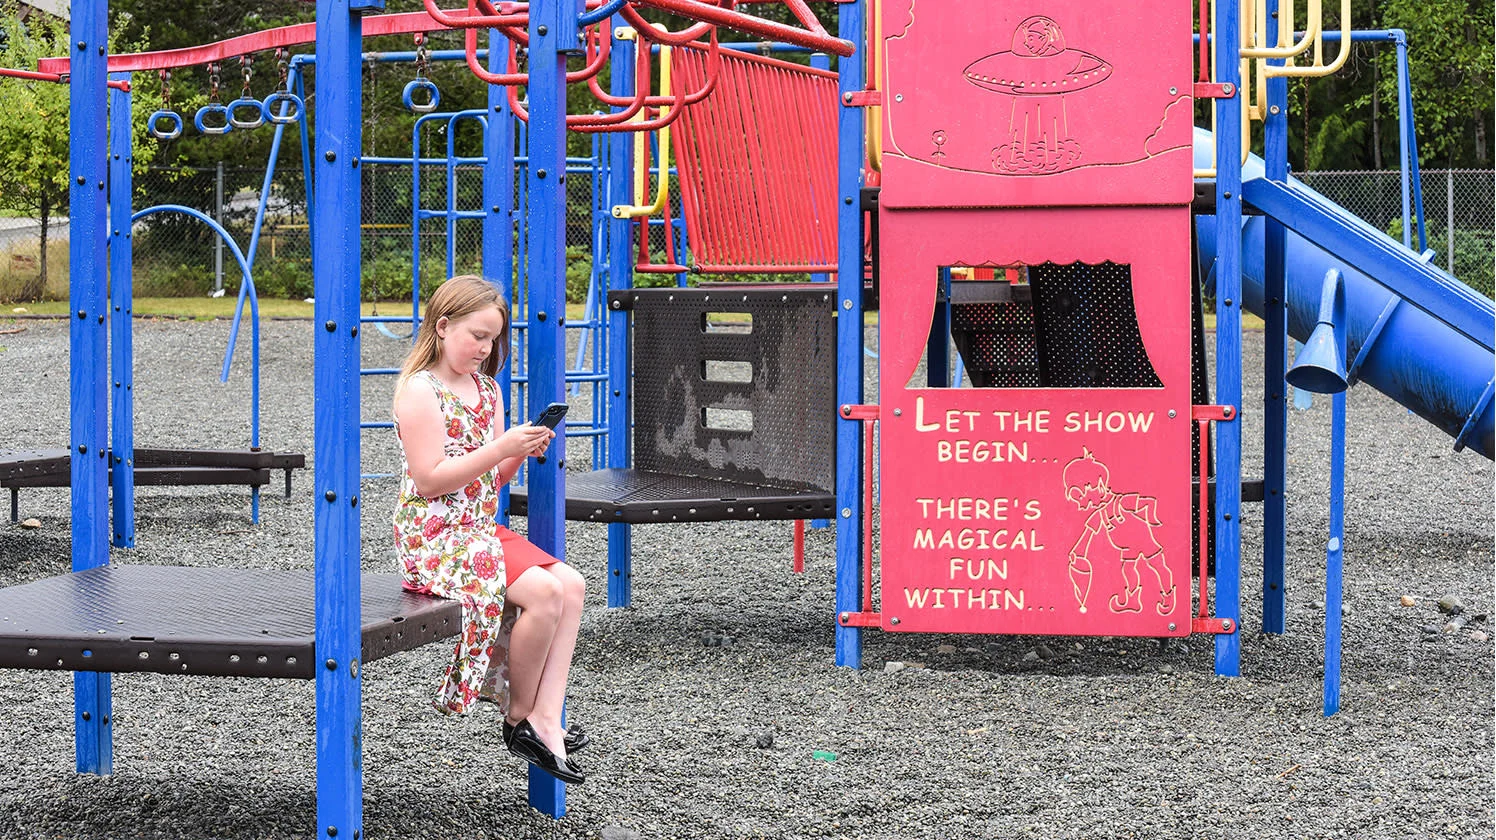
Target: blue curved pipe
pixel 247 288
pixel 1394 344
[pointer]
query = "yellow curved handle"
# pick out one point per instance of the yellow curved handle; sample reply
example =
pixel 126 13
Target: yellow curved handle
pixel 1313 25
pixel 1319 68
pixel 641 156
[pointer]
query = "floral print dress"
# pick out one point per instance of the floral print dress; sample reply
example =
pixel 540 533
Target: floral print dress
pixel 450 546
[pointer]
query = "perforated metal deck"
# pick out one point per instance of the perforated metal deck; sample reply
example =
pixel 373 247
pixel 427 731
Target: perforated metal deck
pixel 205 621
pixel 639 496
pixel 734 408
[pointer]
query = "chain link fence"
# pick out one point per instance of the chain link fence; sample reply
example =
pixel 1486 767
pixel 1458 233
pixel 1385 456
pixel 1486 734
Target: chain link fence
pixel 1458 213
pixel 175 255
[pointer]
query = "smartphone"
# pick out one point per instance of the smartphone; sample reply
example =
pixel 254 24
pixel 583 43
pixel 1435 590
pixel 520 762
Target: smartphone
pixel 551 416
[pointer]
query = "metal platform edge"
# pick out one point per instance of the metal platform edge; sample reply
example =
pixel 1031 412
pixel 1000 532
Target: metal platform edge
pixel 407 621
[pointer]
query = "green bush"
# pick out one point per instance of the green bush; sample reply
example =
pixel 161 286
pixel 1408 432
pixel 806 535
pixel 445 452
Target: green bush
pixel 1474 253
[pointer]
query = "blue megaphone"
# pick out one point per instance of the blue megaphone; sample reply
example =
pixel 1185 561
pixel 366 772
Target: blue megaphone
pixel 1320 366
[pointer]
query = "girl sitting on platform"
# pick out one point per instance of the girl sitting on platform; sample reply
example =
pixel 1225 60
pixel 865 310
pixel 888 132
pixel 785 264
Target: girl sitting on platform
pixel 449 416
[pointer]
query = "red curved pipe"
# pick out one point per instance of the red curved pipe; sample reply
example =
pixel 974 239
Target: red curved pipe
pixel 815 38
pixel 602 123
pixel 714 62
pixel 594 63
pixel 648 31
pixel 507 79
pixel 641 98
pixel 510 18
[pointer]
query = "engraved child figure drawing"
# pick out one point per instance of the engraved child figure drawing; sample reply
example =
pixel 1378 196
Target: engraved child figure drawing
pixel 1126 521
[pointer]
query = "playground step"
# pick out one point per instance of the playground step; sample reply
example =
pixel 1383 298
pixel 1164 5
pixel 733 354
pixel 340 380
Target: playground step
pixel 203 621
pixel 641 496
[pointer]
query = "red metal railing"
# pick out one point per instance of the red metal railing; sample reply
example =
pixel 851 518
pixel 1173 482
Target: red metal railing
pixel 1203 415
pixel 54 77
pixel 757 163
pixel 866 617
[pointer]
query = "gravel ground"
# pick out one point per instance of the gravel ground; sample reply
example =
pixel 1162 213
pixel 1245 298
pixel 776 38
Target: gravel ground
pixel 1091 738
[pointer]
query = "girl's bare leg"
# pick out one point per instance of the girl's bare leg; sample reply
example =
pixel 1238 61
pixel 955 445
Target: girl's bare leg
pixel 538 595
pixel 550 696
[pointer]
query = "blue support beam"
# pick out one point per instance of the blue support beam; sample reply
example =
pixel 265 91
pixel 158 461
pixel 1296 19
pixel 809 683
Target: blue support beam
pixel 336 277
pixel 620 366
pixel 498 220
pixel 851 73
pixel 552 30
pixel 1365 249
pixel 1275 389
pixel 121 292
pixel 88 351
pixel 1226 41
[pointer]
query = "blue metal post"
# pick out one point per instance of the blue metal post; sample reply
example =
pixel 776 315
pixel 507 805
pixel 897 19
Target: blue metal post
pixel 1275 388
pixel 121 292
pixel 553 30
pixel 849 548
pixel 335 272
pixel 620 359
pixel 1228 336
pixel 1408 136
pixel 1333 552
pixel 87 347
pixel 498 200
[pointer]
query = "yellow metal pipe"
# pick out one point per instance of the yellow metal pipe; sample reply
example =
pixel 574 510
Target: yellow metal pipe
pixel 873 119
pixel 641 157
pixel 1319 68
pixel 1313 27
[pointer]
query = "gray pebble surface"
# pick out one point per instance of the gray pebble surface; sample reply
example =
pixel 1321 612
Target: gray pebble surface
pixel 715 705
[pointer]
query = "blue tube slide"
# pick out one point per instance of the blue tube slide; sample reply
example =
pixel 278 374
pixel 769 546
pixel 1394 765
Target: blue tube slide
pixel 1414 332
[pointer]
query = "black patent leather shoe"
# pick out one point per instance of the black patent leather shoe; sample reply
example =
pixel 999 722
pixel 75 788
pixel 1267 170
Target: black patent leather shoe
pixel 522 740
pixel 576 738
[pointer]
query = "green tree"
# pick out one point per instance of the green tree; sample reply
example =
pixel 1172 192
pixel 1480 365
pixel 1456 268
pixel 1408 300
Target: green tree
pixel 1450 60
pixel 34 128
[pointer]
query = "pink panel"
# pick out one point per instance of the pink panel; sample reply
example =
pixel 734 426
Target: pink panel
pixel 1045 510
pixel 1038 104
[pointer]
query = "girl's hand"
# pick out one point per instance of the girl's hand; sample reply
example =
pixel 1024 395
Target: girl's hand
pixel 550 434
pixel 523 440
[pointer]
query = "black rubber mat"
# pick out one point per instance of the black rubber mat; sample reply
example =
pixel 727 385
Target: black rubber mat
pixel 206 621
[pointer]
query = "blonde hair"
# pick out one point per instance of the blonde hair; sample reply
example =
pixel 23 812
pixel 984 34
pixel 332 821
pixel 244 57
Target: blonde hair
pixel 457 298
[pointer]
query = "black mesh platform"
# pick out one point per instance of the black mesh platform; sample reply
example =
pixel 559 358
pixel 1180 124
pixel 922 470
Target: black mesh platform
pixel 25 463
pixel 734 408
pixel 639 496
pixel 153 467
pixel 51 467
pixel 205 621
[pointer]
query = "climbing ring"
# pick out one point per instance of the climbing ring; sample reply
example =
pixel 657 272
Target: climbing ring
pixel 273 103
pixel 171 131
pixel 203 113
pixel 418 86
pixel 255 116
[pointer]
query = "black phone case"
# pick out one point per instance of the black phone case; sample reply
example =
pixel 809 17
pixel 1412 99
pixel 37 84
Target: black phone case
pixel 551 416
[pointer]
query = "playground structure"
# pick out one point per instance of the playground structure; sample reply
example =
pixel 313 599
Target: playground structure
pixel 1078 432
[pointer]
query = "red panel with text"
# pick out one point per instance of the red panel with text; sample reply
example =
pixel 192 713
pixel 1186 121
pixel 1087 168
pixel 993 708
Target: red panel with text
pixel 1058 509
